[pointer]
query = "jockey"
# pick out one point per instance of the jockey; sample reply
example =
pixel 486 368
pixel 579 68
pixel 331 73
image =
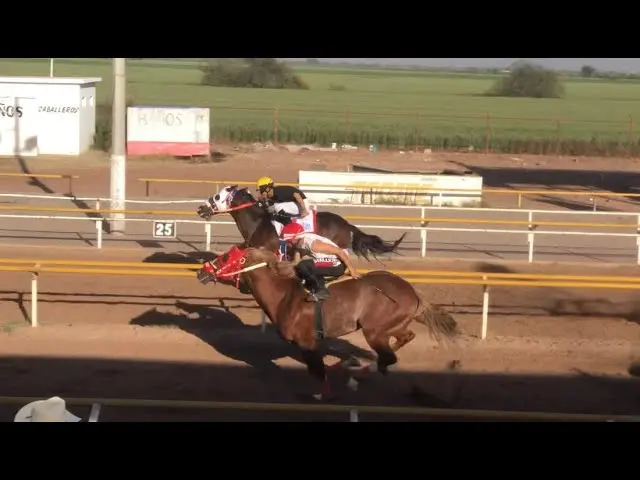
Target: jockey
pixel 287 202
pixel 327 259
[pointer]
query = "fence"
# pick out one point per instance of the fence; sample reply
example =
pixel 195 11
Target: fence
pixel 415 130
pixel 69 178
pixel 485 280
pixel 370 189
pixel 352 410
pixel 423 222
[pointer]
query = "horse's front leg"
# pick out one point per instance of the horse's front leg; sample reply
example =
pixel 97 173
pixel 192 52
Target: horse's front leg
pixel 317 369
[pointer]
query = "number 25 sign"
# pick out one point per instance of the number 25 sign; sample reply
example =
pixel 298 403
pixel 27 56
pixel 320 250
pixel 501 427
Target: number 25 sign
pixel 164 230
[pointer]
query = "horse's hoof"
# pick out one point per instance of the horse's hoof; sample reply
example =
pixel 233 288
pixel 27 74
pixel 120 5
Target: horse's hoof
pixel 352 362
pixel 315 398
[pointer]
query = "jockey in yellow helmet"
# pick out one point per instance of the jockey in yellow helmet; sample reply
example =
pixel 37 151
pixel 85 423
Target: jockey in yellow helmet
pixel 286 202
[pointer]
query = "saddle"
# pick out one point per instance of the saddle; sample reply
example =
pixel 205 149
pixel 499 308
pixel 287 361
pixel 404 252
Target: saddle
pixel 342 278
pixel 331 280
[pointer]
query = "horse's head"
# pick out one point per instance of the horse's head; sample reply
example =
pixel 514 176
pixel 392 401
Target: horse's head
pixel 221 202
pixel 233 263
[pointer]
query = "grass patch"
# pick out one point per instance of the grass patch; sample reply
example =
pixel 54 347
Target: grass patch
pixel 389 108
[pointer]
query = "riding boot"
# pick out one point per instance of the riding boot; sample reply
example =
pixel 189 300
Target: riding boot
pixel 322 292
pixel 314 286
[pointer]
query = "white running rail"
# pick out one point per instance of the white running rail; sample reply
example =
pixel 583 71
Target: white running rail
pixel 530 232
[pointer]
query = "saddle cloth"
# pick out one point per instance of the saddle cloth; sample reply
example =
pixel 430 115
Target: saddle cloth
pixel 308 222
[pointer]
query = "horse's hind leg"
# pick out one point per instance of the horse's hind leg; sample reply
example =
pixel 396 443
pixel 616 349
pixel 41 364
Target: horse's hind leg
pixel 386 355
pixel 402 338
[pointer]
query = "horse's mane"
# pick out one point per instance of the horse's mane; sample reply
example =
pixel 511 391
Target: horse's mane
pixel 283 268
pixel 243 195
pixel 244 191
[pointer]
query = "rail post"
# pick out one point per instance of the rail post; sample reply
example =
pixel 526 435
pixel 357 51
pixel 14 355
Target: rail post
pixel 353 416
pixel 70 178
pixel 263 321
pixel 95 412
pixel 207 234
pixel 530 236
pixel 147 187
pixel 98 226
pixel 638 241
pixel 423 235
pixel 485 308
pixel 519 200
pixel 34 298
pixel 99 233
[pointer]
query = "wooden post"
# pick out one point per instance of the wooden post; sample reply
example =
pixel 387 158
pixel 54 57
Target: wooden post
pixel 275 126
pixel 347 123
pixel 630 137
pixel 487 138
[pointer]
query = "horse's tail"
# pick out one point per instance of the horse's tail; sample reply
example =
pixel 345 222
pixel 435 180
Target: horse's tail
pixel 440 323
pixel 363 244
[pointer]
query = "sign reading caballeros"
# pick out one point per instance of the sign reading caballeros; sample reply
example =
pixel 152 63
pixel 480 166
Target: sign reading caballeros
pixel 57 109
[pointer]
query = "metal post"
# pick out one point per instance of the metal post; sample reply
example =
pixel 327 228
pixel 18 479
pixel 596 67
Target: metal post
pixel 51 67
pixel 99 233
pixel 95 412
pixel 207 233
pixel 118 152
pixel 531 237
pixel 34 299
pixel 485 308
pixel 638 240
pixel 423 235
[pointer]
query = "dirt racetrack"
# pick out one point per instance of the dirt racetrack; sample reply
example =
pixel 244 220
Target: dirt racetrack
pixel 136 337
pixel 556 350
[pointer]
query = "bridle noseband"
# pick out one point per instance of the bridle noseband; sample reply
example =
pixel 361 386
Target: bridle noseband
pixel 229 209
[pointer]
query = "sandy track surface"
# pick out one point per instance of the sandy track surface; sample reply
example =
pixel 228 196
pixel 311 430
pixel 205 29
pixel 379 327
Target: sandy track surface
pixel 112 336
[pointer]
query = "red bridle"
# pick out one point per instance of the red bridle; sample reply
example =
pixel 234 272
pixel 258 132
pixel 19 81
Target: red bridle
pixel 235 259
pixel 232 194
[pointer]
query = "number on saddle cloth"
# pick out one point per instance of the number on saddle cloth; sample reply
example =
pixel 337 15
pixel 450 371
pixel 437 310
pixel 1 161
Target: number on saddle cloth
pixel 308 222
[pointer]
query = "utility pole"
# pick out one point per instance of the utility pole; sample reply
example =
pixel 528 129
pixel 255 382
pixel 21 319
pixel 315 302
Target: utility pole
pixel 118 147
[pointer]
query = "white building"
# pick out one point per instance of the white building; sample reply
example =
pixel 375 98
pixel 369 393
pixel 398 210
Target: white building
pixel 47 115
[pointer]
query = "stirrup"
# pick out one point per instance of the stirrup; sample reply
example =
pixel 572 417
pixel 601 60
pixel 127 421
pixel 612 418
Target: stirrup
pixel 311 297
pixel 319 295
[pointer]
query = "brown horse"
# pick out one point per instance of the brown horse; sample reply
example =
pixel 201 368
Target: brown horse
pixel 254 223
pixel 381 304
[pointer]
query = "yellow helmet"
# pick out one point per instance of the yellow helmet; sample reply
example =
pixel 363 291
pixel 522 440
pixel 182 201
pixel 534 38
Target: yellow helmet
pixel 264 181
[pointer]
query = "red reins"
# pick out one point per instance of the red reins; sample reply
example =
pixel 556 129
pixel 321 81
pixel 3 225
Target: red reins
pixel 233 209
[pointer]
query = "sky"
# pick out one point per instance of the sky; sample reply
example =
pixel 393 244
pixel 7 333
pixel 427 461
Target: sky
pixel 627 65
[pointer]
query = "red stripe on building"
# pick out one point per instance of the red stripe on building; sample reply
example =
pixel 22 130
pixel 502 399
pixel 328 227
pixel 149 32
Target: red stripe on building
pixel 167 148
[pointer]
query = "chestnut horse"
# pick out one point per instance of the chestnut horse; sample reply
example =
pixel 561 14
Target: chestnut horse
pixel 255 226
pixel 380 303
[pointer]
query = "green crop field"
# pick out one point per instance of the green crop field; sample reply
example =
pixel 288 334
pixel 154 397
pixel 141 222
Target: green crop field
pixel 390 108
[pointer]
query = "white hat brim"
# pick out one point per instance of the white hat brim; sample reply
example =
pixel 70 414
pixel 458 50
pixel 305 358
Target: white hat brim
pixel 24 414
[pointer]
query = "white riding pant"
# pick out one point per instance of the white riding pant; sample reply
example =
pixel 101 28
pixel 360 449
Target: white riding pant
pixel 292 209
